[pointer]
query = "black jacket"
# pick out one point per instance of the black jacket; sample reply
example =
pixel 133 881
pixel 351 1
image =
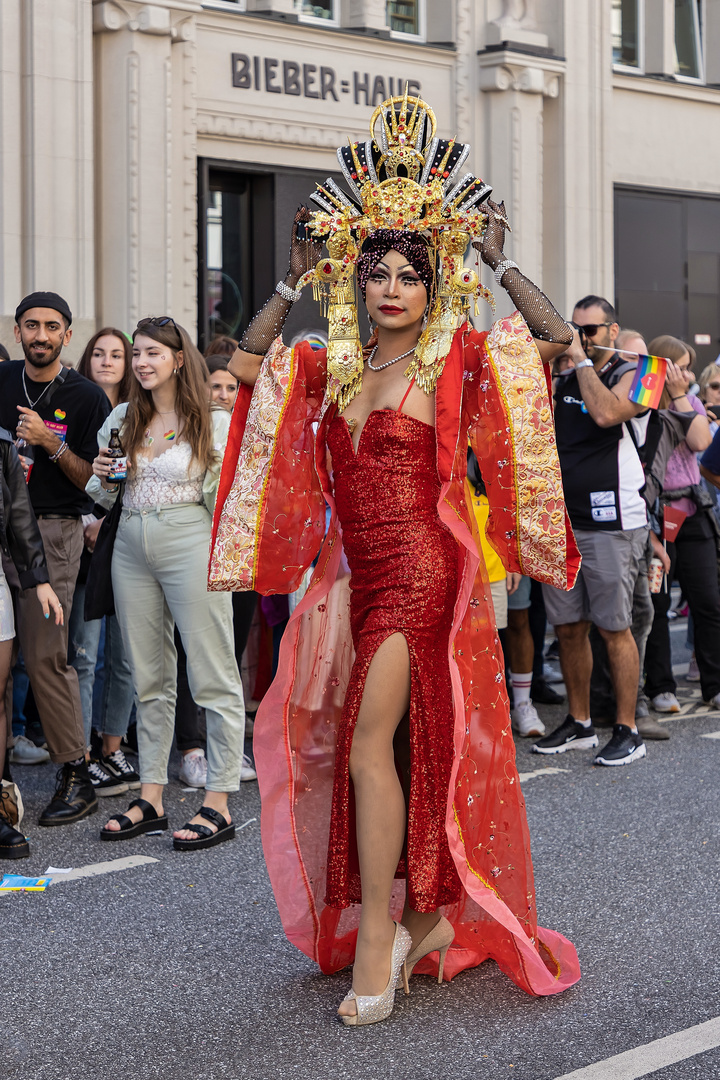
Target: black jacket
pixel 20 537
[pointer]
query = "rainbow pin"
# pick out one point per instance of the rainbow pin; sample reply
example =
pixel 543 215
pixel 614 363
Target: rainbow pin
pixel 169 435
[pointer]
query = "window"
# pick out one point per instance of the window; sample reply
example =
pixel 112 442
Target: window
pixel 626 35
pixel 688 43
pixel 225 5
pixel 406 17
pixel 317 10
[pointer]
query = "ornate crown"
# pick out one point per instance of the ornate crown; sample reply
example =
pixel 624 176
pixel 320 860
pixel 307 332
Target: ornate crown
pixel 402 177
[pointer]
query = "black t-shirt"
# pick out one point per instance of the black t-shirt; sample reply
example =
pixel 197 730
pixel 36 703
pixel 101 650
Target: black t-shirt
pixel 75 410
pixel 601 471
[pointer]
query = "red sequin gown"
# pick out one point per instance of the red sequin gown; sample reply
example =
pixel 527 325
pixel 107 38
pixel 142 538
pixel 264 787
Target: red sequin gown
pixel 404 577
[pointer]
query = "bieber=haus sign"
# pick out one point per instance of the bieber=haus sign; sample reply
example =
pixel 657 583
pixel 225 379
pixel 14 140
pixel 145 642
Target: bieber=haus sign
pixel 270 75
pixel 268 83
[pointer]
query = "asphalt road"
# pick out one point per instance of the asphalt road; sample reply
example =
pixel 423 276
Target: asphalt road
pixel 179 968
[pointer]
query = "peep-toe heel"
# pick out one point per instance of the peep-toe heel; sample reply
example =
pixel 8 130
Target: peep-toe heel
pixel 370 1009
pixel 438 940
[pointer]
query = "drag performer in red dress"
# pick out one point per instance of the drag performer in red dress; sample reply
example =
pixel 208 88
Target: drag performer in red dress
pixel 393 823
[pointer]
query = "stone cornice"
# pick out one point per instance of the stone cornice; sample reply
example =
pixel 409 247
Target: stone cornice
pixel 528 73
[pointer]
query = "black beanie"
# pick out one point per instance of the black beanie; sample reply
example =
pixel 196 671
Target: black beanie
pixel 46 300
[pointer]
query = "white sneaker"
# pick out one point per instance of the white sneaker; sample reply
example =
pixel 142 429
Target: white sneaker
pixel 25 752
pixel 193 770
pixel 665 703
pixel 247 772
pixel 526 721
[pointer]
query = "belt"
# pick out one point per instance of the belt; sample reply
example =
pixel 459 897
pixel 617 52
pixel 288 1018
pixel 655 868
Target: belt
pixel 58 517
pixel 160 508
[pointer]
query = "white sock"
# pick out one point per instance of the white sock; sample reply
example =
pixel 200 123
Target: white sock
pixel 585 723
pixel 521 687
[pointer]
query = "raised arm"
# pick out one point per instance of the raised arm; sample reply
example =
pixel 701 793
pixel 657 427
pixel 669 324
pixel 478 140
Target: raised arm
pixel 546 324
pixel 269 321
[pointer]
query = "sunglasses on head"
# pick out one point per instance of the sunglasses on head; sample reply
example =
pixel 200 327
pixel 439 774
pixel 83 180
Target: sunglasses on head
pixel 591 328
pixel 162 320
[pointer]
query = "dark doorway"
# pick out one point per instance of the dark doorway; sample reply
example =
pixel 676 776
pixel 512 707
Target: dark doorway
pixel 667 267
pixel 235 259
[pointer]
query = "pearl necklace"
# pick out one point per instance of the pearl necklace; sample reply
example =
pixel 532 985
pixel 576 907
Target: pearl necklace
pixel 369 360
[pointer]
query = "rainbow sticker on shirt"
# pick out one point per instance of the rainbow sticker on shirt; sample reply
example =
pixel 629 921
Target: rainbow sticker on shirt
pixel 59 414
pixel 647 386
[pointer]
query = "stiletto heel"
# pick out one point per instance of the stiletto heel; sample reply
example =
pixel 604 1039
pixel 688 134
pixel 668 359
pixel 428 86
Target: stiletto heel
pixel 371 1009
pixel 438 940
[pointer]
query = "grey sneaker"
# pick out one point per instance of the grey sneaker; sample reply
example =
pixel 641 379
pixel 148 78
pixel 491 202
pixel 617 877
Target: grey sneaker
pixel 193 770
pixel 526 721
pixel 666 703
pixel 25 752
pixel 715 701
pixel 247 772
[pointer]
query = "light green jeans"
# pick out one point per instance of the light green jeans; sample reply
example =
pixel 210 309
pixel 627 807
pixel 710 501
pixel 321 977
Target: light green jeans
pixel 159 573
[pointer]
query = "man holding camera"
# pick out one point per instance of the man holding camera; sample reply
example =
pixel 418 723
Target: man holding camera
pixel 602 478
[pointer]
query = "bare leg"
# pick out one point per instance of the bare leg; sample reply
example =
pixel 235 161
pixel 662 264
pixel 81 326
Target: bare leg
pixel 576 663
pixel 110 743
pixel 380 811
pixel 624 668
pixel 521 649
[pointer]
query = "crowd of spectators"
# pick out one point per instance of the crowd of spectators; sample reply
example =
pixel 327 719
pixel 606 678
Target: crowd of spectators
pixel 166 661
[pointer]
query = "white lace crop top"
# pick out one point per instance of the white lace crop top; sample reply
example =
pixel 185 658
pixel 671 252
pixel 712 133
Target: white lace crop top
pixel 172 477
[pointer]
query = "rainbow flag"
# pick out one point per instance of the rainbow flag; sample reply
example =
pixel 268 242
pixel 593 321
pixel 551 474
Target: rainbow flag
pixel 647 386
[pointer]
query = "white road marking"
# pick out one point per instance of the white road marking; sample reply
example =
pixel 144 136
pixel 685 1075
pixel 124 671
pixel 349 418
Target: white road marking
pixel 711 735
pixel 647 1059
pixel 539 772
pixel 95 869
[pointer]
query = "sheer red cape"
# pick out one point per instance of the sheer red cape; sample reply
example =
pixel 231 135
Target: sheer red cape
pixel 269 525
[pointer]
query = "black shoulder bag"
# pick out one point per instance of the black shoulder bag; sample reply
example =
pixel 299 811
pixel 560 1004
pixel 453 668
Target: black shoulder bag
pixel 99 598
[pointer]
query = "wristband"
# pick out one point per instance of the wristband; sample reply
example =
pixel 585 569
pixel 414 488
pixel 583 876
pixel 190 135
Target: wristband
pixel 59 452
pixel 503 267
pixel 291 295
pixel 584 363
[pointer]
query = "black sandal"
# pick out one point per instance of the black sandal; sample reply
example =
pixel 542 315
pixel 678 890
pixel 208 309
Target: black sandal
pixel 128 828
pixel 206 837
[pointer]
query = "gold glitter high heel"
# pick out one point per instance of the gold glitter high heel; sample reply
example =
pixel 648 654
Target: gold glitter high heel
pixel 372 1009
pixel 438 940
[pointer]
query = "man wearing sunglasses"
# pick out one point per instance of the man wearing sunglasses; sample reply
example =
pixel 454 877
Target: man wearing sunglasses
pixel 602 478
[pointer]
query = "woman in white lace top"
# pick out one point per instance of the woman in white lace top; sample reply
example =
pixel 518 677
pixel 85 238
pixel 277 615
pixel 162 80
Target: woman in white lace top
pixel 174 444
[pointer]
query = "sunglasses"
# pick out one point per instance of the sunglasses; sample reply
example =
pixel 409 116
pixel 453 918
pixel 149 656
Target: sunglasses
pixel 163 320
pixel 591 328
pixel 713 386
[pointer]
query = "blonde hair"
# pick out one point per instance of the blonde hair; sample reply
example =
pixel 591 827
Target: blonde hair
pixel 673 349
pixel 712 371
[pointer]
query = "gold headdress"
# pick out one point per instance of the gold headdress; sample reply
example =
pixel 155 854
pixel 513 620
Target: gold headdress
pixel 402 177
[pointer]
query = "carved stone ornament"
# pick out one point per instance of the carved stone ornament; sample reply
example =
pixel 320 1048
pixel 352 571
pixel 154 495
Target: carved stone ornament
pixel 502 72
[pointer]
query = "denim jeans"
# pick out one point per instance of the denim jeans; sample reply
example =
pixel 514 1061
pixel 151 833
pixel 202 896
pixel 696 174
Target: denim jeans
pixel 118 693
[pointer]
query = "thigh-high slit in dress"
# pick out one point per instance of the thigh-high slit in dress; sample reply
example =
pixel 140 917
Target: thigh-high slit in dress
pixel 397 557
pixel 403 579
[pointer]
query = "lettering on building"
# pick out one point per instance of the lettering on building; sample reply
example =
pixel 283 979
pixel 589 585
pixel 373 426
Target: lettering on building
pixel 271 76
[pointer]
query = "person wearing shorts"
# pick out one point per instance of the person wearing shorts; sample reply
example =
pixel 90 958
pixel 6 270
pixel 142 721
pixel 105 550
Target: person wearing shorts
pixel 602 478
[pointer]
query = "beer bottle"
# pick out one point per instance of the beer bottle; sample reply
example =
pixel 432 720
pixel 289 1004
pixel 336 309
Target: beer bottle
pixel 118 468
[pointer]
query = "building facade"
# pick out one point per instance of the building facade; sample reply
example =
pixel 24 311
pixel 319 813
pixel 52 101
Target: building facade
pixel 152 154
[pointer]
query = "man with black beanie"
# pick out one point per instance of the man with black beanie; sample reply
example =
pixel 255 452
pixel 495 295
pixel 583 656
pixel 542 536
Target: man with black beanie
pixel 57 413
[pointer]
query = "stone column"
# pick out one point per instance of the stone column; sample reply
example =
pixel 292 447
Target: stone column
pixel 146 156
pixel 515 87
pixel 46 170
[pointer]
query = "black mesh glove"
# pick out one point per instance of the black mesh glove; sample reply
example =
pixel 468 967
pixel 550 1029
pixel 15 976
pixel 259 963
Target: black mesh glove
pixel 545 321
pixel 269 321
